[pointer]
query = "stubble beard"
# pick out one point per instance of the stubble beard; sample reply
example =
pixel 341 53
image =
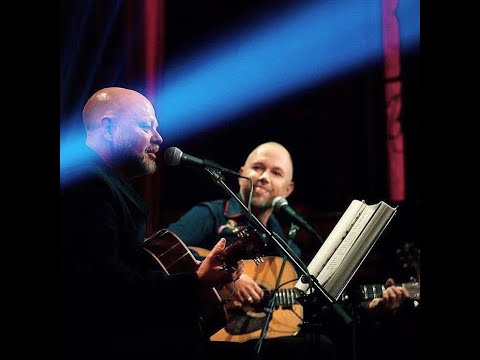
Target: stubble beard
pixel 258 203
pixel 147 165
pixel 134 163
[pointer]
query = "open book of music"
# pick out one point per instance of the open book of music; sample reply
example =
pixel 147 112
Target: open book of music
pixel 348 244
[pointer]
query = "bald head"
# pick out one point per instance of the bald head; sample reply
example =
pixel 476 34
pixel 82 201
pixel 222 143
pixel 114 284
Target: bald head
pixel 270 169
pixel 111 102
pixel 122 129
pixel 277 151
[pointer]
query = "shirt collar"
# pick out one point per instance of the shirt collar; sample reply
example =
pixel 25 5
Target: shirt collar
pixel 233 210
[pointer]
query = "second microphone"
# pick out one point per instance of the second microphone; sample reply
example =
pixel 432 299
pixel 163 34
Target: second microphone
pixel 175 157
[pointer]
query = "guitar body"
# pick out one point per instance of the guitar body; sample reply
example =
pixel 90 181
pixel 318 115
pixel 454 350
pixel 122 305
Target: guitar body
pixel 167 252
pixel 245 321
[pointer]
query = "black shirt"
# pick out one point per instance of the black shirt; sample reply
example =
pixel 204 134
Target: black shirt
pixel 113 299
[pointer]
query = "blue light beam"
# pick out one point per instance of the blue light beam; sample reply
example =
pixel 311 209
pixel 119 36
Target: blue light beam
pixel 274 57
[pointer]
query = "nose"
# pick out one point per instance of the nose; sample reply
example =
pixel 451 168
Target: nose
pixel 264 176
pixel 157 138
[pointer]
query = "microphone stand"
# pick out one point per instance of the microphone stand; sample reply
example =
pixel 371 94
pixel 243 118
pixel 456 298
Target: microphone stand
pixel 291 256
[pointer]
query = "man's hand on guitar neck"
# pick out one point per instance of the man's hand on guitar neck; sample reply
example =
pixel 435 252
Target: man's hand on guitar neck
pixel 393 297
pixel 212 271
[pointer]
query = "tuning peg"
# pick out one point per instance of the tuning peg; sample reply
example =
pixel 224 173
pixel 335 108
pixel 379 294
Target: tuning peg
pixel 258 260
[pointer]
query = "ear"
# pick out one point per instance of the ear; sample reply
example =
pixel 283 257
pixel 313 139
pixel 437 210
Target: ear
pixel 107 128
pixel 241 173
pixel 290 188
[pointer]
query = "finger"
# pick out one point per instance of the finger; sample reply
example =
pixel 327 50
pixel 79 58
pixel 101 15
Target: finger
pixel 244 296
pixel 239 271
pixel 258 291
pixel 214 255
pixel 388 296
pixel 255 291
pixel 397 291
pixel 393 297
pixel 235 271
pixel 219 246
pixel 404 292
pixel 235 275
pixel 256 297
pixel 390 282
pixel 240 265
pixel 390 292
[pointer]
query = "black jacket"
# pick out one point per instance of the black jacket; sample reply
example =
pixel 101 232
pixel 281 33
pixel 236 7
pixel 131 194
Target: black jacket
pixel 113 299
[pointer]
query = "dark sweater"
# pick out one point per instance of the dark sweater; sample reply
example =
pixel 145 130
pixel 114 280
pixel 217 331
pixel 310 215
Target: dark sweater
pixel 114 300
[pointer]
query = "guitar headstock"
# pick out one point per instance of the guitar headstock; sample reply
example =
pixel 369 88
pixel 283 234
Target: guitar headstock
pixel 247 246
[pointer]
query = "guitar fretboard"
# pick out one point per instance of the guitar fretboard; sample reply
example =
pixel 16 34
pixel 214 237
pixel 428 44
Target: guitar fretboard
pixel 376 290
pixel 287 297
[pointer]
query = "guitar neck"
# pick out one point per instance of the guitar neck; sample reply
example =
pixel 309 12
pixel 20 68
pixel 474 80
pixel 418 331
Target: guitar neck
pixel 287 297
pixel 376 290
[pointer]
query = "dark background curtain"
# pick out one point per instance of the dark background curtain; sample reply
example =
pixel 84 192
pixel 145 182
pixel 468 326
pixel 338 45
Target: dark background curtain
pixel 336 132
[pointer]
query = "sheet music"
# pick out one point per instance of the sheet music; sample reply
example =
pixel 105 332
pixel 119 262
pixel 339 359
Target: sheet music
pixel 359 249
pixel 333 240
pixel 347 245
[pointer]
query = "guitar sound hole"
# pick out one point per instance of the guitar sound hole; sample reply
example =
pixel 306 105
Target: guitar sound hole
pixel 240 322
pixel 248 317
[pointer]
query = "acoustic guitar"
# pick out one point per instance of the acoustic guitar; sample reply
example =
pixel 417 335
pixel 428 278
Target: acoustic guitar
pixel 245 321
pixel 165 250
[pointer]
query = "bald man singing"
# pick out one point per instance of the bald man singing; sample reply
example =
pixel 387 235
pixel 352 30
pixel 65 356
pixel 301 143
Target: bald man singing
pixel 116 303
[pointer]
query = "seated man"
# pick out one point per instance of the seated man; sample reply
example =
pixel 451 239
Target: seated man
pixel 270 167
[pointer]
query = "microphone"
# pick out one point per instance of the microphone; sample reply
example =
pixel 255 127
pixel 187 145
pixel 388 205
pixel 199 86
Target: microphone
pixel 174 157
pixel 280 204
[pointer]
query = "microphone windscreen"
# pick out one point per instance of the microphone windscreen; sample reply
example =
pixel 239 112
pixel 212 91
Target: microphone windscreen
pixel 278 202
pixel 172 156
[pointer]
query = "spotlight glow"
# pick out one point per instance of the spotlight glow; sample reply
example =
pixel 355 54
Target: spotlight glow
pixel 273 56
pixel 276 56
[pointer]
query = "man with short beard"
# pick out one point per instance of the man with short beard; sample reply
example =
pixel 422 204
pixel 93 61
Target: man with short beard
pixel 115 304
pixel 270 168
